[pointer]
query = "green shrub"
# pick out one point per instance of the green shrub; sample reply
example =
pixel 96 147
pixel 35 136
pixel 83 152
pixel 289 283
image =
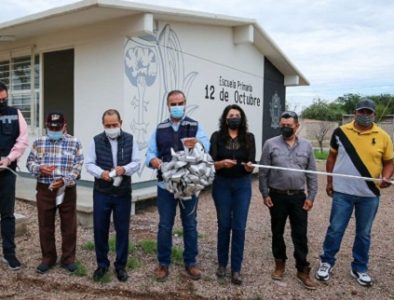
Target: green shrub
pixel 148 246
pixel 80 271
pixel 89 245
pixel 320 155
pixel 105 279
pixel 177 255
pixel 177 232
pixel 133 263
pixel 112 244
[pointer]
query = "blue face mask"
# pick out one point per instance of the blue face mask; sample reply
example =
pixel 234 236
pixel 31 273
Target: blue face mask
pixel 177 112
pixel 55 135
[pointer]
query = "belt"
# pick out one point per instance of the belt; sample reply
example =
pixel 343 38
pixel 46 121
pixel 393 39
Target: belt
pixel 286 192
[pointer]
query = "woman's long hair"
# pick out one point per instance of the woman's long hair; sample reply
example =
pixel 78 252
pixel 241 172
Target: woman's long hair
pixel 242 129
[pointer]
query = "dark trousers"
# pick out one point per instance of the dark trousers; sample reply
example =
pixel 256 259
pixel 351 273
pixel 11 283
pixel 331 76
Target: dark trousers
pixel 289 206
pixel 46 207
pixel 232 199
pixel 7 207
pixel 103 206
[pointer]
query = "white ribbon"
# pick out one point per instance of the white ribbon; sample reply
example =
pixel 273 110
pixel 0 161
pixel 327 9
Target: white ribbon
pixel 9 169
pixel 322 173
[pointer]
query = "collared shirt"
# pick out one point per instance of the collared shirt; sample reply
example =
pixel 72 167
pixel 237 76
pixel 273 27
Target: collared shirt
pixel 359 151
pixel 96 171
pixel 22 140
pixel 276 152
pixel 153 152
pixel 65 154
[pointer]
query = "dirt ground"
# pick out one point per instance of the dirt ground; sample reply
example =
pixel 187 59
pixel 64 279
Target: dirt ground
pixel 257 265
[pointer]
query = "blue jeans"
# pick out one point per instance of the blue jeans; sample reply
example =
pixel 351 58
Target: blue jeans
pixel 103 205
pixel 7 206
pixel 232 199
pixel 166 205
pixel 342 208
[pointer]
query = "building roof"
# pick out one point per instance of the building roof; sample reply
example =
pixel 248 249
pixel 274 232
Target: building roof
pixel 92 11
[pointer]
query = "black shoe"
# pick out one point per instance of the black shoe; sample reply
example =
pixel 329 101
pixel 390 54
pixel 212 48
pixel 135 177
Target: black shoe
pixel 70 267
pixel 122 275
pixel 12 262
pixel 43 268
pixel 99 273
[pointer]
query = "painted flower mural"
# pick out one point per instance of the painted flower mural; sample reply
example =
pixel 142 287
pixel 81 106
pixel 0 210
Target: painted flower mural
pixel 155 62
pixel 141 70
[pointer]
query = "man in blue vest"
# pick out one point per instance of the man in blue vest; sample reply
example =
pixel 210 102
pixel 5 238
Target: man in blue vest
pixel 167 135
pixel 112 158
pixel 13 142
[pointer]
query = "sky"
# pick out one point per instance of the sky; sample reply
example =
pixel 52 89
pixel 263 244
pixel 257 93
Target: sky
pixel 341 46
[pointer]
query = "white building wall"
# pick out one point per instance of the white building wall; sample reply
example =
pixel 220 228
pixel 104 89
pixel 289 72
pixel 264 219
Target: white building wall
pixel 205 54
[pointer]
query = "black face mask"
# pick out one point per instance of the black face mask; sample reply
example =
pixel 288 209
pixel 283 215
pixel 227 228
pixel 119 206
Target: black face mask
pixel 233 123
pixel 3 105
pixel 286 132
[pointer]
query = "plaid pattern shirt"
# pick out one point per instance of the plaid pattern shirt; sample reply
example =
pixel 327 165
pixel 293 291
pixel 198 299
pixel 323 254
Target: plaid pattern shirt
pixel 65 154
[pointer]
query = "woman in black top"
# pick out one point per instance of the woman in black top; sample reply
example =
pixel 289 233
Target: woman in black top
pixel 233 150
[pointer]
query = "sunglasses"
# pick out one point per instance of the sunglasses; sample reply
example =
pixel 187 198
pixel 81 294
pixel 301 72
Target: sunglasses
pixel 289 114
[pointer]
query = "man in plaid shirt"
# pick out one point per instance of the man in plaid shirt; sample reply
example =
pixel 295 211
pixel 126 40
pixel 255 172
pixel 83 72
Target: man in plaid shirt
pixel 56 161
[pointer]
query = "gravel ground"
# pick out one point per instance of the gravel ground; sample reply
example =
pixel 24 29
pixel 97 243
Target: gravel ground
pixel 257 266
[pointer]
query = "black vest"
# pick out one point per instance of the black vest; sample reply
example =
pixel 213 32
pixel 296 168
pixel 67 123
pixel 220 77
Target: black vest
pixel 9 131
pixel 167 138
pixel 104 160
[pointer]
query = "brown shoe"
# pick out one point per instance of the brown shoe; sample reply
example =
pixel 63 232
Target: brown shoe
pixel 193 272
pixel 161 273
pixel 279 271
pixel 221 272
pixel 236 278
pixel 304 278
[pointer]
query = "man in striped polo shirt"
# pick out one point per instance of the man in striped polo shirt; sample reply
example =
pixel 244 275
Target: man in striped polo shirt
pixel 358 148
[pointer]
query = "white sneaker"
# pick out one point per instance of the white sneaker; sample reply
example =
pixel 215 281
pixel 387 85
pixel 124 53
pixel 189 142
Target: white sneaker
pixel 324 271
pixel 362 278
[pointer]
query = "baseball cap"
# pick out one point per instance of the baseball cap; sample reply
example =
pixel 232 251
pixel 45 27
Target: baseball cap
pixel 55 120
pixel 289 114
pixel 366 104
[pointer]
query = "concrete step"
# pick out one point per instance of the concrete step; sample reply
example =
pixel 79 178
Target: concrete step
pixel 20 224
pixel 26 191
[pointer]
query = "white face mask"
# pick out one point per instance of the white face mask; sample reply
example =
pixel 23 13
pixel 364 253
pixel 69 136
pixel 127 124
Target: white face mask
pixel 112 133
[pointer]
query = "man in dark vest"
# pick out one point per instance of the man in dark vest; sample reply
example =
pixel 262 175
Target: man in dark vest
pixel 13 142
pixel 112 158
pixel 167 135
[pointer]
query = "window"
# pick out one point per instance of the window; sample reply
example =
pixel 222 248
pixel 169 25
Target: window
pixel 16 73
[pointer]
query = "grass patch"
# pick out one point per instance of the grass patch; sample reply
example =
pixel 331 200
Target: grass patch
pixel 80 271
pixel 177 232
pixel 89 245
pixel 177 255
pixel 133 263
pixel 320 155
pixel 148 246
pixel 105 279
pixel 112 244
pixel 132 247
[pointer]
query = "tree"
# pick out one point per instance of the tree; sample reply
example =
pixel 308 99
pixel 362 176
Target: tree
pixel 321 132
pixel 348 102
pixel 322 110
